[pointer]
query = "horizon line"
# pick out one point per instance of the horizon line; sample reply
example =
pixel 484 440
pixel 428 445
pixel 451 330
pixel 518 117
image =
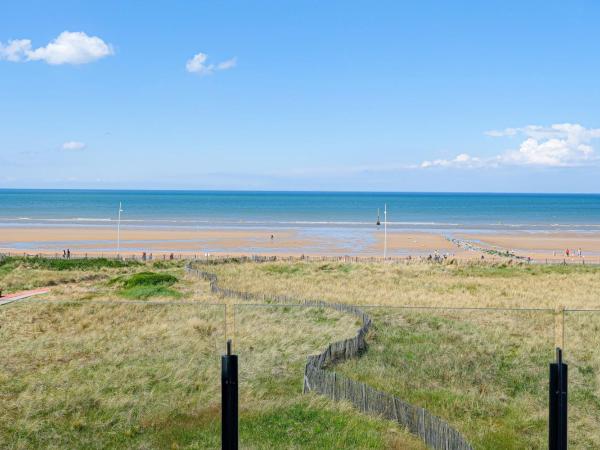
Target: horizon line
pixel 298 191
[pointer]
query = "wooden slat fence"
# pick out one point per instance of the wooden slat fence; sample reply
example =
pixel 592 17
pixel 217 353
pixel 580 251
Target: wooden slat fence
pixel 435 432
pixel 493 258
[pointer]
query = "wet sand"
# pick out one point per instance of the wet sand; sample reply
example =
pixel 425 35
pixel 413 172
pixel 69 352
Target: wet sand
pixel 102 240
pixel 290 242
pixel 419 244
pixel 542 246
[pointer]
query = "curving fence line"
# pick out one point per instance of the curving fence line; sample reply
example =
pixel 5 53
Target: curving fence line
pixel 433 431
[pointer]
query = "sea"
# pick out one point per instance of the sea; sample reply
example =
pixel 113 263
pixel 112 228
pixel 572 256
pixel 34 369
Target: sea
pixel 324 211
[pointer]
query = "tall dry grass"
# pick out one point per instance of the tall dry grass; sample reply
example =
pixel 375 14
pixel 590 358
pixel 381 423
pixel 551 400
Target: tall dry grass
pixel 421 284
pixel 103 374
pixel 97 375
pixel 485 371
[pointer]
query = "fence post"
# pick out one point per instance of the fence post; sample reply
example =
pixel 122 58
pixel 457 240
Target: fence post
pixel 557 423
pixel 229 400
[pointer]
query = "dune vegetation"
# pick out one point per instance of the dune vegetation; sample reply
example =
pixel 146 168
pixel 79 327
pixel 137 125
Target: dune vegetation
pixel 470 342
pixel 84 367
pixel 127 356
pixel 20 273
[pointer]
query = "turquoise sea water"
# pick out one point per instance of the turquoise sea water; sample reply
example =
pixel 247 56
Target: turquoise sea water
pixel 304 210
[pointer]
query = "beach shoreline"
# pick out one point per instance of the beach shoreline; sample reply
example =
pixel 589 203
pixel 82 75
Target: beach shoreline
pixel 101 240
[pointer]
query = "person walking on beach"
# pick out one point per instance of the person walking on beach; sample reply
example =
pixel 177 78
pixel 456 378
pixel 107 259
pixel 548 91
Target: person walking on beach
pixel 64 254
pixel 68 253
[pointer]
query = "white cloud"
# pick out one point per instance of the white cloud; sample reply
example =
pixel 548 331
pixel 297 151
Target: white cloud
pixel 15 50
pixel 227 64
pixel 500 133
pixel 73 145
pixel 67 48
pixel 560 145
pixel 197 64
pixel 464 160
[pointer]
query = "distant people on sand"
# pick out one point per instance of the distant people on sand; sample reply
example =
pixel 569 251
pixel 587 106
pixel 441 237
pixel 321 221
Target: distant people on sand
pixel 571 252
pixel 272 237
pixel 437 257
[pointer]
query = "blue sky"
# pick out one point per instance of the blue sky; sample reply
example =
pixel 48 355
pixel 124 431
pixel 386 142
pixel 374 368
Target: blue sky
pixel 305 95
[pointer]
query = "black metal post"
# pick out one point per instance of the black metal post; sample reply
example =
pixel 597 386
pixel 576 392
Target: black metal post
pixel 557 424
pixel 229 400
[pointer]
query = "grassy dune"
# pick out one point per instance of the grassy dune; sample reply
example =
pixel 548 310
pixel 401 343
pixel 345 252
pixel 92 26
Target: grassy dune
pixel 104 375
pixel 98 278
pixel 18 273
pixel 462 285
pixel 483 371
pixel 92 373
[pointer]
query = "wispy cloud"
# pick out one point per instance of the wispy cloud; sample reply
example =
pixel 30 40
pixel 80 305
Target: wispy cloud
pixel 15 51
pixel 68 48
pixel 559 145
pixel 73 146
pixel 464 160
pixel 198 64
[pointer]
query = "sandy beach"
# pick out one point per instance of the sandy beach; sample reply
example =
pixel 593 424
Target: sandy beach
pixel 542 246
pixel 102 240
pixel 94 240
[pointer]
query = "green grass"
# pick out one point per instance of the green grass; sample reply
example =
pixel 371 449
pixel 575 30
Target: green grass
pixel 319 315
pixel 146 285
pixel 90 375
pixel 299 269
pixel 483 371
pixel 149 279
pixel 20 273
pixel 505 270
pixel 472 369
pixel 99 375
pixel 147 292
pixel 336 267
pixel 286 427
pixel 65 264
pixel 303 424
pixel 284 269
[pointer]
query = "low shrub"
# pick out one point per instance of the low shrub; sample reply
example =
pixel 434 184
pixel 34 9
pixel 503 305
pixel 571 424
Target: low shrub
pixel 38 262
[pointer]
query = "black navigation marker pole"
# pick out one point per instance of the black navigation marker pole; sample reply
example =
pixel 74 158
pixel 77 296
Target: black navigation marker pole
pixel 557 424
pixel 229 400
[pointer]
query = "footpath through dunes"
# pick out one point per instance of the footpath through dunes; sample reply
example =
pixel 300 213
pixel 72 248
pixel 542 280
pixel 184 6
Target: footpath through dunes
pixel 5 299
pixel 433 431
